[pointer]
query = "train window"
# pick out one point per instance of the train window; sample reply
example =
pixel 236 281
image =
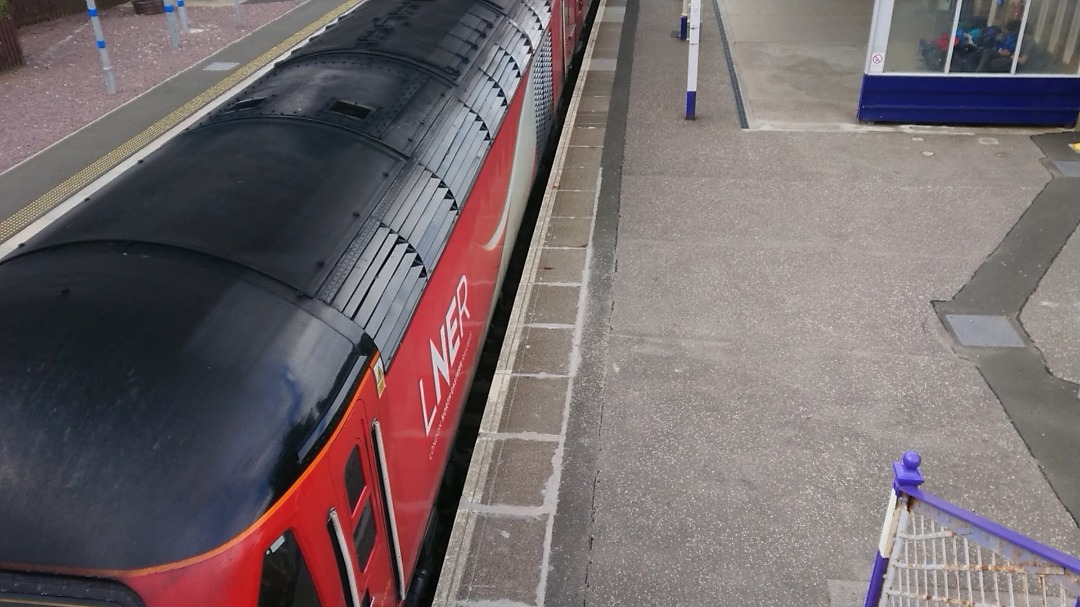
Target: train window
pixel 364 536
pixel 286 581
pixel 354 478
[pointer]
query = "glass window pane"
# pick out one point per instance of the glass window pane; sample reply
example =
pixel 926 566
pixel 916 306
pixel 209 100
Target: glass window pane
pixel 286 581
pixel 919 35
pixel 989 38
pixel 354 478
pixel 1051 42
pixel 364 536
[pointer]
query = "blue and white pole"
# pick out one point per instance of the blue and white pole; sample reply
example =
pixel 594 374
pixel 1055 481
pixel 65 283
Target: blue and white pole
pixel 170 19
pixel 683 20
pixel 180 8
pixel 110 79
pixel 692 64
pixel 905 475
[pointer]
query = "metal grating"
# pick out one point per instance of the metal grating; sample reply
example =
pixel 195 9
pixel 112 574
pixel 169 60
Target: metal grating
pixel 422 210
pixel 456 154
pixel 532 21
pixel 544 91
pixel 383 289
pixel 1068 168
pixel 392 267
pixel 381 279
pixel 358 282
pixel 940 560
pixel 976 330
pixel 456 51
pixel 483 95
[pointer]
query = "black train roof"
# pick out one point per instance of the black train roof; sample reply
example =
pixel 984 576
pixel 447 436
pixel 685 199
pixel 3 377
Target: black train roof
pixel 136 431
pixel 165 362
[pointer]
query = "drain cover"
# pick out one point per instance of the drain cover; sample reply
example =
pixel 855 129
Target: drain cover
pixel 1068 168
pixel 984 331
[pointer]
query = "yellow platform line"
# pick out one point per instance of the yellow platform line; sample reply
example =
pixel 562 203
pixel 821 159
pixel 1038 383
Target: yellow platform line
pixel 54 197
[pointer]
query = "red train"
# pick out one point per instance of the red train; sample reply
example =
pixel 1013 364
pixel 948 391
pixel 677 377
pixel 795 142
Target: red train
pixel 233 376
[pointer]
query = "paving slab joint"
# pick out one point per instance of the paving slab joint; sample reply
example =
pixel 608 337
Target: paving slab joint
pixel 461 539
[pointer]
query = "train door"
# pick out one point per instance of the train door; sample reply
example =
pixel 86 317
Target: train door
pixel 357 528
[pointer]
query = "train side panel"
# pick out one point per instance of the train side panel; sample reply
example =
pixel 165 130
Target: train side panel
pixel 427 382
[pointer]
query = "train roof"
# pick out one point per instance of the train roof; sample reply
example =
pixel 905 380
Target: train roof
pixel 146 404
pixel 172 347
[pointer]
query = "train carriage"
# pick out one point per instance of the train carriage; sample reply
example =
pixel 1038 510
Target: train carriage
pixel 234 374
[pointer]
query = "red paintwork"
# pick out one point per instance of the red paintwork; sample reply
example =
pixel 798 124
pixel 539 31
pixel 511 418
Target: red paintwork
pixel 230 574
pixel 561 48
pixel 416 459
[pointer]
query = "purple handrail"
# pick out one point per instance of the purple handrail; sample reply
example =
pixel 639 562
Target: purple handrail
pixel 906 480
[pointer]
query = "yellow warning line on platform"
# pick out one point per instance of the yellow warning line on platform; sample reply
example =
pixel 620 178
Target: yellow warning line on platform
pixel 54 197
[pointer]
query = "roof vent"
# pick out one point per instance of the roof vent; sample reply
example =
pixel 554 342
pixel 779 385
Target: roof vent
pixel 246 104
pixel 352 110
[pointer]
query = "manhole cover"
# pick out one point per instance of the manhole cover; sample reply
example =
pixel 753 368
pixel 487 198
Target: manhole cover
pixel 1068 168
pixel 976 330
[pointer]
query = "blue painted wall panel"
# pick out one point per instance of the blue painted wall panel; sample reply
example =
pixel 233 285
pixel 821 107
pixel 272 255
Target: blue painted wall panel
pixel 969 100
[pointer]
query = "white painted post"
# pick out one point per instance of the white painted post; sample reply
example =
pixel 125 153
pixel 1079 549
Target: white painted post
pixel 955 24
pixel 692 64
pixel 170 20
pixel 683 20
pixel 1044 18
pixel 99 37
pixel 1070 45
pixel 180 8
pixel 1059 23
pixel 878 46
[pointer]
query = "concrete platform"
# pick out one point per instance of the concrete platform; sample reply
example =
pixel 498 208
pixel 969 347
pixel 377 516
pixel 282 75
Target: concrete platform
pixel 761 329
pixel 500 552
pixel 725 335
pixel 1051 315
pixel 798 62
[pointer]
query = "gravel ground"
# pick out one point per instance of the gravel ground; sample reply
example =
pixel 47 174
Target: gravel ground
pixel 62 88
